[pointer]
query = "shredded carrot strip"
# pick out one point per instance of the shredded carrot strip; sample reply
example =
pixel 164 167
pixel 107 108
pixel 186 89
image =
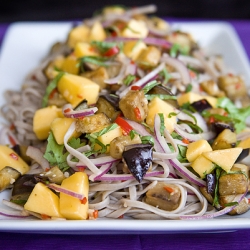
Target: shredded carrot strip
pixel 168 189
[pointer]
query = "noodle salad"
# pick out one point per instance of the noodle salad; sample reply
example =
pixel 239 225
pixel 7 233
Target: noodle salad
pixel 128 118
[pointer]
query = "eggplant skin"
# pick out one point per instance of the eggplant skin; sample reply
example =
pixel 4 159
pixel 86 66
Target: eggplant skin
pixel 8 176
pixel 138 160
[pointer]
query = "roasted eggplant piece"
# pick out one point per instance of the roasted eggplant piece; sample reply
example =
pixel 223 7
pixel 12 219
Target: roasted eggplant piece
pixel 243 155
pixel 22 188
pixel 55 175
pixel 8 176
pixel 21 150
pixel 118 145
pixel 211 88
pixel 218 127
pixel 134 105
pixel 138 159
pixel 109 105
pixel 90 124
pixel 226 139
pixel 211 183
pixel 201 105
pixel 164 196
pixel 234 86
pixel 161 90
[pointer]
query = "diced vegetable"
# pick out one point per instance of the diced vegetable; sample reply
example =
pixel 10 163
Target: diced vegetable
pixel 43 201
pixel 77 88
pixel 196 148
pixel 42 120
pixel 71 207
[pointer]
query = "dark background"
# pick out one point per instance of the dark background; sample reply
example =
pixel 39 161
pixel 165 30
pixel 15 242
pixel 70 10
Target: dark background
pixel 51 10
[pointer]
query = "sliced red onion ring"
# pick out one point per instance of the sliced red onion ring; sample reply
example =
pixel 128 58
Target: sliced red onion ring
pixel 194 137
pixel 179 66
pixel 226 210
pixel 70 113
pixel 104 170
pixel 125 177
pixel 37 155
pixel 66 191
pixel 144 80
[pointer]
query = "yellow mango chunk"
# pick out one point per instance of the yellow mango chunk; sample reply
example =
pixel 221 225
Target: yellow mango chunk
pixel 225 158
pixel 157 106
pixel 108 137
pixel 244 143
pixel 84 49
pixel 196 148
pixel 77 88
pixel 193 97
pixel 132 49
pixel 202 166
pixel 69 65
pixel 78 34
pixel 43 201
pixel 43 119
pixel 60 126
pixel 97 33
pixel 135 28
pixel 71 207
pixel 10 158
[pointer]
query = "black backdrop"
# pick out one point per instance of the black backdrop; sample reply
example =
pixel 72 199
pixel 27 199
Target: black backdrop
pixel 34 10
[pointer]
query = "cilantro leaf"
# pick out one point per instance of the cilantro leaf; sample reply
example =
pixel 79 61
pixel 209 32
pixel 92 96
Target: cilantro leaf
pixel 56 154
pixel 51 86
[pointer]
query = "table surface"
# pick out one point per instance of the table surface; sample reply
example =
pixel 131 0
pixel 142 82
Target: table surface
pixel 230 240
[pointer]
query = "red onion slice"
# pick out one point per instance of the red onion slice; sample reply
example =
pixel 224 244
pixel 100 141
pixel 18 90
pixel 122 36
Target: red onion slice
pixel 144 80
pixel 37 155
pixel 70 113
pixel 100 161
pixel 66 191
pixel 179 66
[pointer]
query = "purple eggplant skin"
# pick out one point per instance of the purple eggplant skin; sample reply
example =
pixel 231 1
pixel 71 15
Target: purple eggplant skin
pixel 211 183
pixel 201 105
pixel 243 155
pixel 218 127
pixel 138 159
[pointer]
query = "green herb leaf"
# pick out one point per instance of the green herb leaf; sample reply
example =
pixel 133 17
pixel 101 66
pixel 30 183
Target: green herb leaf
pixel 100 61
pixel 128 79
pixel 216 202
pixel 231 204
pixel 162 126
pixel 172 114
pixel 56 154
pixel 147 139
pixel 177 48
pixel 103 46
pixel 166 76
pixel 51 86
pixel 149 86
pixel 189 88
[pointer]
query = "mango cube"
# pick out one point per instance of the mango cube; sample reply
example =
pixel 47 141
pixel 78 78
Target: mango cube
pixel 244 143
pixel 70 207
pixel 225 158
pixel 108 137
pixel 60 126
pixel 84 49
pixel 77 88
pixel 202 166
pixel 196 148
pixel 10 158
pixel 97 33
pixel 43 119
pixel 135 28
pixel 78 34
pixel 43 201
pixel 69 65
pixel 132 49
pixel 157 106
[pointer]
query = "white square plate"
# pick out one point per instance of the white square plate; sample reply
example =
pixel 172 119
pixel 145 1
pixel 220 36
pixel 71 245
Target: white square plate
pixel 25 45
